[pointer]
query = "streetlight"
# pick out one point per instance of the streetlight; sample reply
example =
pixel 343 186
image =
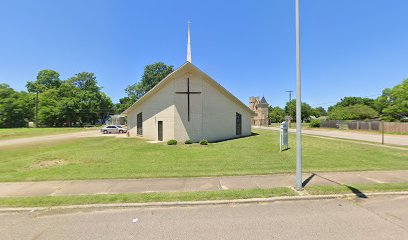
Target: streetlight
pixel 298 106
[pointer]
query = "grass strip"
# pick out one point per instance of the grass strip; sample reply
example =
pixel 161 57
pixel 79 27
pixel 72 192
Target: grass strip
pixel 355 188
pixel 50 201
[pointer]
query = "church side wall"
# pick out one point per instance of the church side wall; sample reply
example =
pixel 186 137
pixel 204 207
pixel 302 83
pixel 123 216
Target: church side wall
pixel 219 113
pixel 157 108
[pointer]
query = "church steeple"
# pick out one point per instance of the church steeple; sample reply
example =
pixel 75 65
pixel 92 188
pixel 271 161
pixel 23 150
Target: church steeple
pixel 189 44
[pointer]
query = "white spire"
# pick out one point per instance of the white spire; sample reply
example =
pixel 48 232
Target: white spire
pixel 188 44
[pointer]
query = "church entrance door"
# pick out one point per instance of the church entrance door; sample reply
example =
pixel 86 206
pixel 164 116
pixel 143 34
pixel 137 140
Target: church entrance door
pixel 160 130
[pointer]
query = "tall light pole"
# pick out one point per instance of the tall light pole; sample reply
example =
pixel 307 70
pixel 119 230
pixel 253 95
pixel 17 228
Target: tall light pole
pixel 298 106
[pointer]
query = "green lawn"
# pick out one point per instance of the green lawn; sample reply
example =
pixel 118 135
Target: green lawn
pixel 355 188
pixel 144 197
pixel 107 158
pixel 50 201
pixel 13 133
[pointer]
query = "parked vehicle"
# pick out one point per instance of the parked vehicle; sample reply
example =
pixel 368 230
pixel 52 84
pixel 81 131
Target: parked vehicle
pixel 113 129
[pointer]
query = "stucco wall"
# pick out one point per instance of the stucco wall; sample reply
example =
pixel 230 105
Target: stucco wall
pixel 157 108
pixel 184 129
pixel 219 113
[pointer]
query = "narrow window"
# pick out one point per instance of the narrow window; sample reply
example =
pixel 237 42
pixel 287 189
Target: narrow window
pixel 139 124
pixel 238 124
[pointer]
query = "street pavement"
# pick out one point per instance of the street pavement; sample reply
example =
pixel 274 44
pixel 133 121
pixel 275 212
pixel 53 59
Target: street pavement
pixel 401 140
pixel 115 186
pixel 380 217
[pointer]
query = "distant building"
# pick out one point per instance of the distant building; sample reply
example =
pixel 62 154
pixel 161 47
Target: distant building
pixel 116 120
pixel 261 109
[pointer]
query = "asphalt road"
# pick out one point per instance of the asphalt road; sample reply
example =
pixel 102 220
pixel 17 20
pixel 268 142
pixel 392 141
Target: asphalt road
pixel 374 218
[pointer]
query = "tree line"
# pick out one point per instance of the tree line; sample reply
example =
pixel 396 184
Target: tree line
pixel 76 101
pixel 392 105
pixel 52 102
pixel 79 101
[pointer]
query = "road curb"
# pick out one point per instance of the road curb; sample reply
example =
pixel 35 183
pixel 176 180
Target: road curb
pixel 201 203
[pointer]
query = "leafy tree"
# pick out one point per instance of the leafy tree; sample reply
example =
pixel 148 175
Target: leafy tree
pixel 276 114
pixel 152 75
pixel 124 103
pixel 383 101
pixel 353 112
pixel 15 107
pixel 85 81
pixel 90 103
pixel 319 111
pixel 396 102
pixel 46 79
pixel 349 101
pixel 290 110
pixel 49 113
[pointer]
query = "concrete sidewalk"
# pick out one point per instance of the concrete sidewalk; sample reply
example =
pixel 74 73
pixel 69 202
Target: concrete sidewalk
pixel 89 187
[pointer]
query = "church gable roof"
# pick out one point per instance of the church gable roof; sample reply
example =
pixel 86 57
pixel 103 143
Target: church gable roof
pixel 168 78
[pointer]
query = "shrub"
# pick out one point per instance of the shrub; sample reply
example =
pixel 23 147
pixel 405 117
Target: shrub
pixel 203 142
pixel 188 141
pixel 315 123
pixel 172 142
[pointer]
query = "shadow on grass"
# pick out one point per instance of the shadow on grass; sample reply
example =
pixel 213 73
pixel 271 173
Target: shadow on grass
pixel 354 190
pixel 357 192
pixel 224 140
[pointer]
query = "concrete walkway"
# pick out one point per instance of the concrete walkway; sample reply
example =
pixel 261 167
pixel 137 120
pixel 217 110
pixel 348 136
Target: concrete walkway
pixel 88 187
pixel 401 140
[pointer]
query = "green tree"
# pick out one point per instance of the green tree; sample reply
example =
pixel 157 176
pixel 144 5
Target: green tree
pixel 290 110
pixel 396 102
pixel 46 79
pixel 90 102
pixel 349 101
pixel 152 75
pixel 353 112
pixel 383 101
pixel 276 114
pixel 319 111
pixel 15 107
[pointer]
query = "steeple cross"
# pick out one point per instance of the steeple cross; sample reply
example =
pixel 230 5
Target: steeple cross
pixel 188 97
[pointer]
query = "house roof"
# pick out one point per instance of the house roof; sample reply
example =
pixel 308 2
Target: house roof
pixel 263 100
pixel 168 78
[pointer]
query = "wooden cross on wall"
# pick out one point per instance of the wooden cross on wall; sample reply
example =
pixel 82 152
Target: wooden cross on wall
pixel 188 97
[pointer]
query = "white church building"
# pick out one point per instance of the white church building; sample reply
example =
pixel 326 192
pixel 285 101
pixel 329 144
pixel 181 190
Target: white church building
pixel 188 104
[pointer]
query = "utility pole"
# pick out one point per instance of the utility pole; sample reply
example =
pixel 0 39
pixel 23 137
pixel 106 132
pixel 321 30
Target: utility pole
pixel 298 106
pixel 290 95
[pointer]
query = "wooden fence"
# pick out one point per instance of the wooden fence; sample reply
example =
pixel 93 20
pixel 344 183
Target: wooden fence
pixel 397 127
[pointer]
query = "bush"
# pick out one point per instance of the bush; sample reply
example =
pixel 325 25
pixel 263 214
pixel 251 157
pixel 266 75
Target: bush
pixel 188 141
pixel 314 123
pixel 172 142
pixel 203 142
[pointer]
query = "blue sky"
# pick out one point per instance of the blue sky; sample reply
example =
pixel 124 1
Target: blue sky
pixel 349 47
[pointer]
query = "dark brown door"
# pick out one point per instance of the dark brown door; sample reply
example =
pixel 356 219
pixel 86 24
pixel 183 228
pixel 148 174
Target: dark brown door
pixel 160 130
pixel 139 124
pixel 238 124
